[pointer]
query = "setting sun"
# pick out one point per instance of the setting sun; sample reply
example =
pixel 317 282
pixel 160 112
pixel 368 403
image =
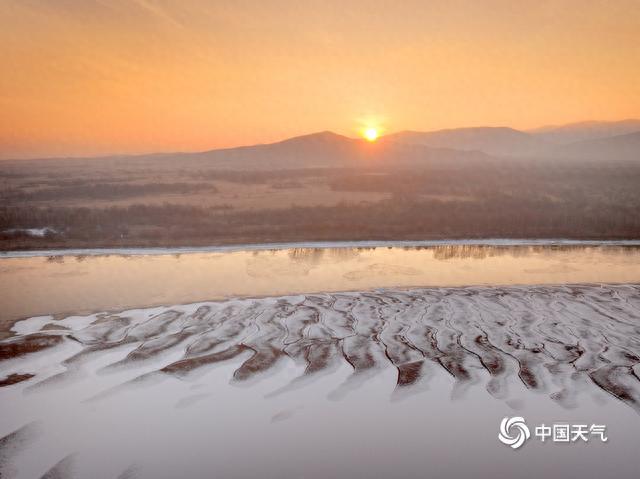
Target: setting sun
pixel 371 134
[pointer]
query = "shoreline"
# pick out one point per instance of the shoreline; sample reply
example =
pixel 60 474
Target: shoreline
pixel 499 242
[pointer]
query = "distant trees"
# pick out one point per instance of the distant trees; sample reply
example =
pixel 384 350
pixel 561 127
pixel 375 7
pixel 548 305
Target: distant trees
pixel 106 191
pixel 506 198
pixel 395 218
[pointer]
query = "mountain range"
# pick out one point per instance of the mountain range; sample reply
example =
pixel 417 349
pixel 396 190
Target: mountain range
pixel 600 141
pixel 587 140
pixel 592 140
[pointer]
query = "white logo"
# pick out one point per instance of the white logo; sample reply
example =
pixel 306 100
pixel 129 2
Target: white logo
pixel 513 432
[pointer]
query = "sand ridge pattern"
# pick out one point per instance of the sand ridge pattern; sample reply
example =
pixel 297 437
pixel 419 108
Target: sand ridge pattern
pixel 555 339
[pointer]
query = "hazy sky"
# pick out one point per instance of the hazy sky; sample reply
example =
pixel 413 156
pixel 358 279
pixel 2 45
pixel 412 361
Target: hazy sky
pixel 94 77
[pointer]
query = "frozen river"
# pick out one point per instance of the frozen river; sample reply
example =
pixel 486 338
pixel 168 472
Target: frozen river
pixel 334 361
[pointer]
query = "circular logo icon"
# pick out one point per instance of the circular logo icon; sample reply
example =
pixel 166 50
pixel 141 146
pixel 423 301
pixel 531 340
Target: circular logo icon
pixel 513 432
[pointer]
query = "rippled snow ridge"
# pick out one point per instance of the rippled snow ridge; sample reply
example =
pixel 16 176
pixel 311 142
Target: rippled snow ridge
pixel 563 344
pixel 550 337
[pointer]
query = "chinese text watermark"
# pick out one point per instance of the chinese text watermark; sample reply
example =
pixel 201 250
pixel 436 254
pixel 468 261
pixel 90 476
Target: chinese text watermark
pixel 514 432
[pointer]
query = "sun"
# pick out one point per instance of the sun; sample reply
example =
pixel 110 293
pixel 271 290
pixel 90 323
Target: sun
pixel 370 134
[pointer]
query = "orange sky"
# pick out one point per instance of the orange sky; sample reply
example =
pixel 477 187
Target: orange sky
pixel 83 77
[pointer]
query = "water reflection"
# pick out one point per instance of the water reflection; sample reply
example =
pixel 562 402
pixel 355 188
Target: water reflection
pixel 32 286
pixel 315 256
pixel 445 252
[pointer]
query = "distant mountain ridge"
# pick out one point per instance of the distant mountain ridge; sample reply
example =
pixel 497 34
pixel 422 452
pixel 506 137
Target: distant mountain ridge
pixel 502 141
pixel 595 140
pixel 589 140
pixel 620 147
pixel 328 149
pixel 585 130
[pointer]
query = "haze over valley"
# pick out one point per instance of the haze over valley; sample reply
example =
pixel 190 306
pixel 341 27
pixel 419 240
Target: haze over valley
pixel 462 183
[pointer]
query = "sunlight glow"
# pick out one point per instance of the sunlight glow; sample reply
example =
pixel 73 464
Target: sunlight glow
pixel 371 134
